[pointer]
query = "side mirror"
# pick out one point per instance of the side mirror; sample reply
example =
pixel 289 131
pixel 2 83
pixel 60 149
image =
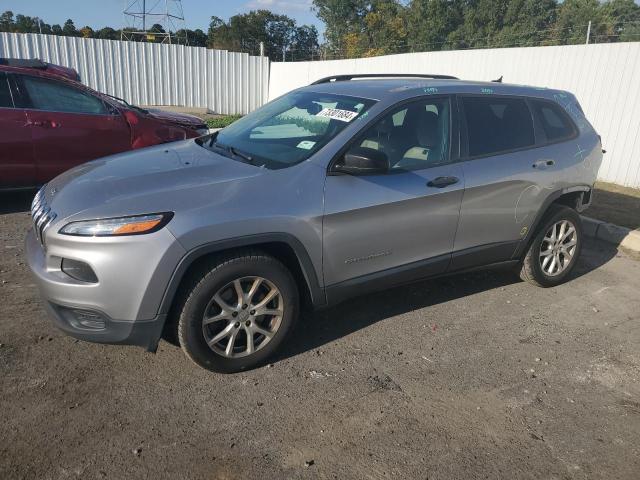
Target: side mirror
pixel 363 161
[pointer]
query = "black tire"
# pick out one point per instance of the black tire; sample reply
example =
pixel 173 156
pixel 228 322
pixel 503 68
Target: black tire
pixel 531 270
pixel 199 292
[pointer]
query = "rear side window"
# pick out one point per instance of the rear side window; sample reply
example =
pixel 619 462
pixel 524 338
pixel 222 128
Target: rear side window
pixel 56 97
pixel 496 124
pixel 5 93
pixel 555 124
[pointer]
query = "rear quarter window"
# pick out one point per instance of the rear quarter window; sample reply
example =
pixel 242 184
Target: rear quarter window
pixel 553 121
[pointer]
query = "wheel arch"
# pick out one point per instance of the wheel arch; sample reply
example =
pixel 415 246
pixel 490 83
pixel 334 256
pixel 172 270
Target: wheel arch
pixel 284 247
pixel 576 197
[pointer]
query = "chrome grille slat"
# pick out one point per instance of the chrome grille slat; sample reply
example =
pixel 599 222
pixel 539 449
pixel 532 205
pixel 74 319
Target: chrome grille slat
pixel 41 215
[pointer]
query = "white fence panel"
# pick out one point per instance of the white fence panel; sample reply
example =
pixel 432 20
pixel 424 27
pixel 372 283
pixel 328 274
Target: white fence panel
pixel 153 74
pixel 604 77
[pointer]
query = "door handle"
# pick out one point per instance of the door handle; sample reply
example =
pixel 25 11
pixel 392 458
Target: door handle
pixel 441 182
pixel 543 164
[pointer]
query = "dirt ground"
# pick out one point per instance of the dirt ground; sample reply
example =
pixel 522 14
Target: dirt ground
pixel 468 377
pixel 615 204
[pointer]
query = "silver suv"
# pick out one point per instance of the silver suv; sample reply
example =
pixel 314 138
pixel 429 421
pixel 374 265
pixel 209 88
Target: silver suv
pixel 341 188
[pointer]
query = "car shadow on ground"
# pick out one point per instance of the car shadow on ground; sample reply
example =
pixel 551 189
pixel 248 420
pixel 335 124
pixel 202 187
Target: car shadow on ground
pixel 325 326
pixel 16 201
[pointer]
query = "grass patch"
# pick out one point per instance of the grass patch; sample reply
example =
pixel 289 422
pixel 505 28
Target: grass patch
pixel 222 121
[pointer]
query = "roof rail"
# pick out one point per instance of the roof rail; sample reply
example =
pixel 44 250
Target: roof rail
pixel 24 63
pixel 342 78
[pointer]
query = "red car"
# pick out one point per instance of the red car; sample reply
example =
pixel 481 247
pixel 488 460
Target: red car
pixel 50 123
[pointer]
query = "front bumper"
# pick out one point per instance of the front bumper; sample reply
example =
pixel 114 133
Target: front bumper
pixel 123 306
pixel 144 333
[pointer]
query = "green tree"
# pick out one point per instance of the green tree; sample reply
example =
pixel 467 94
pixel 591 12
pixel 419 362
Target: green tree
pixel 624 19
pixel 304 45
pixel 107 33
pixel 245 32
pixel 356 28
pixel 7 22
pixel 432 22
pixel 340 17
pixel 527 23
pixel 573 19
pixel 69 29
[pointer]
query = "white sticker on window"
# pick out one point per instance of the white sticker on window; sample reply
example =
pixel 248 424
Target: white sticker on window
pixel 337 114
pixel 306 144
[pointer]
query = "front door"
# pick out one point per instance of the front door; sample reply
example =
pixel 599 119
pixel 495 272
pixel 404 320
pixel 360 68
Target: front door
pixel 401 225
pixel 70 126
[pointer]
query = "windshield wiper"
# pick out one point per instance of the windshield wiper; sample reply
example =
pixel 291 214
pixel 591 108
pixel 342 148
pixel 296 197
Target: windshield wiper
pixel 227 150
pixel 127 104
pixel 240 154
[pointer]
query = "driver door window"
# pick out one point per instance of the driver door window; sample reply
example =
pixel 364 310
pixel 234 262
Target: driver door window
pixel 50 96
pixel 414 136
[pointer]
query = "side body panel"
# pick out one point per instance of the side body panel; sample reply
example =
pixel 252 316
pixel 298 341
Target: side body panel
pixel 502 196
pixel 17 164
pixel 63 140
pixel 375 223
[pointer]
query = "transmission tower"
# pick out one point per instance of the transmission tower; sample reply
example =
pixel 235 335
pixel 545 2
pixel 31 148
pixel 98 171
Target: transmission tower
pixel 143 17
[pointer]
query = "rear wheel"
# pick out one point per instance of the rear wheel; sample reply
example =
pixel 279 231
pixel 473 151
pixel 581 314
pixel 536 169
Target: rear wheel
pixel 555 249
pixel 238 312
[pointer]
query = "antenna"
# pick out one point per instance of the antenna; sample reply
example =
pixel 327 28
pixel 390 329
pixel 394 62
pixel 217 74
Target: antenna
pixel 154 21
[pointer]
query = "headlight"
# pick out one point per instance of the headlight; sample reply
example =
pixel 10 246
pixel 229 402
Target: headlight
pixel 111 227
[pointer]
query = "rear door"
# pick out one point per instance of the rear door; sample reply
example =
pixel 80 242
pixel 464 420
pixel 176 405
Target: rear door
pixel 69 125
pixel 17 165
pixel 398 226
pixel 507 179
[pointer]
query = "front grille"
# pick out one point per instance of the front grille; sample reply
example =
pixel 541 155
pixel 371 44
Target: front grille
pixel 41 215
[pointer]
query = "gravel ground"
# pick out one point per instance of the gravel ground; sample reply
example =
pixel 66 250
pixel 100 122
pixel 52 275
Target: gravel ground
pixel 472 376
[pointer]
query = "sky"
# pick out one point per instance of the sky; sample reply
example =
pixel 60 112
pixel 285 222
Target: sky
pixel 197 13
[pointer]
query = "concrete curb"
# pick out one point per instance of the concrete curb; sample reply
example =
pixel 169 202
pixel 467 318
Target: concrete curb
pixel 610 233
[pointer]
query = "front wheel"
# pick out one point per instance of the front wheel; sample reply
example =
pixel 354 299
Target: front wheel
pixel 555 249
pixel 238 312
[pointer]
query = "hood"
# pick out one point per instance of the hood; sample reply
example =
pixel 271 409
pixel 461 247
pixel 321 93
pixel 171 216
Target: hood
pixel 168 177
pixel 174 117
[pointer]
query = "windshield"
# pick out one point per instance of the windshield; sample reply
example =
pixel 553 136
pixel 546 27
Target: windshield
pixel 288 130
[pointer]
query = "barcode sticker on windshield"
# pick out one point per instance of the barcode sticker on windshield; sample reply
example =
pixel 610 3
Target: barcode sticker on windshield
pixel 306 144
pixel 337 114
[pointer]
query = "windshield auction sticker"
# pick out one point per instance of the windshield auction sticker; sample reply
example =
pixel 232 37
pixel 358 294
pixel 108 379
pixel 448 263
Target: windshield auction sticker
pixel 306 144
pixel 337 114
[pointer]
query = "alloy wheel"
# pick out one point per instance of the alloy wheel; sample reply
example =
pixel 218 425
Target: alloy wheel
pixel 558 247
pixel 242 317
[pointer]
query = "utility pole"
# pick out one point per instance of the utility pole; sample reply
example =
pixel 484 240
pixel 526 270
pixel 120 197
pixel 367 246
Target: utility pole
pixel 284 53
pixel 262 49
pixel 588 32
pixel 144 15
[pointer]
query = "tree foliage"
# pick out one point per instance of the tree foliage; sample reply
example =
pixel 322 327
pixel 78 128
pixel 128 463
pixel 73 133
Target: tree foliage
pixel 361 28
pixel 357 28
pixel 245 32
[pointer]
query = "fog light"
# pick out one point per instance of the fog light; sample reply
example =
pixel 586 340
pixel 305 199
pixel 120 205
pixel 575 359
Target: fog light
pixel 79 270
pixel 91 320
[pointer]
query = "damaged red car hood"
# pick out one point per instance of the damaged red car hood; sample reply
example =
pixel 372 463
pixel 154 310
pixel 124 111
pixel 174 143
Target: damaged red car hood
pixel 180 118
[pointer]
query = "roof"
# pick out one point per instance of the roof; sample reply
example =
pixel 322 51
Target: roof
pixel 388 88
